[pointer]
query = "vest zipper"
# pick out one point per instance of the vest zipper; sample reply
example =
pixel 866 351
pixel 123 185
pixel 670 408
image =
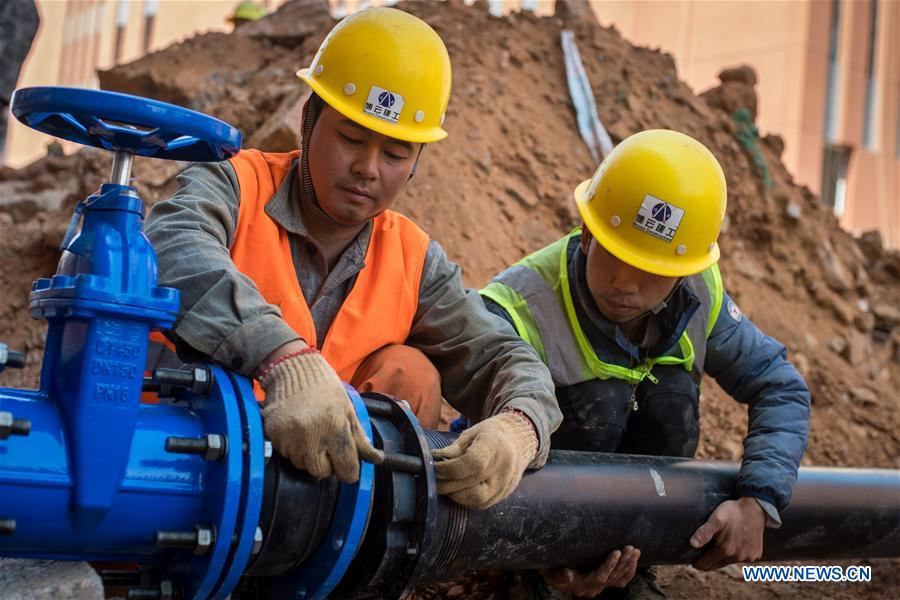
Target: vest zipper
pixel 646 375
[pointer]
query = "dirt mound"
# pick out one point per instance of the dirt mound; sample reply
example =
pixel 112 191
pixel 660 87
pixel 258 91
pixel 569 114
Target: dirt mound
pixel 501 186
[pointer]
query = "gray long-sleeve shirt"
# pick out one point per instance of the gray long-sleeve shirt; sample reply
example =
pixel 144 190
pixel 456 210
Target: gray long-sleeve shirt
pixel 485 367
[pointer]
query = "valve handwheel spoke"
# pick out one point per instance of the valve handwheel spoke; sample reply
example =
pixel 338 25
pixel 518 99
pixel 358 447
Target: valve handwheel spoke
pixel 114 121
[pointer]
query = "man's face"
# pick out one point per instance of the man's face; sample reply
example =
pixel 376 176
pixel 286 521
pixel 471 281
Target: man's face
pixel 357 173
pixel 620 291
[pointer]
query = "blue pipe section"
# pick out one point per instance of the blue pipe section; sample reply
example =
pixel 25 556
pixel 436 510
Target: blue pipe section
pixel 159 491
pixel 164 490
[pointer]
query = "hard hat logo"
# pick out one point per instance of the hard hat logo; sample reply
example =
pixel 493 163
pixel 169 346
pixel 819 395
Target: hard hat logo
pixel 658 218
pixel 386 99
pixel 384 104
pixel 661 212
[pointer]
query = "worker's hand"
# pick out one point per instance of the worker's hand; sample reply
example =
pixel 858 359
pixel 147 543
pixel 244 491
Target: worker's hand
pixel 486 462
pixel 616 571
pixel 737 527
pixel 310 419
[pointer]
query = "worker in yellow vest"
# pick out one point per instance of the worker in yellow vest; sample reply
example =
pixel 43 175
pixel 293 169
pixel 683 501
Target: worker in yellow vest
pixel 629 312
pixel 293 269
pixel 247 12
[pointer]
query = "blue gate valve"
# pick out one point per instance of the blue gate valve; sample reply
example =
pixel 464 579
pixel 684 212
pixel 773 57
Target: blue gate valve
pixel 103 301
pixel 92 457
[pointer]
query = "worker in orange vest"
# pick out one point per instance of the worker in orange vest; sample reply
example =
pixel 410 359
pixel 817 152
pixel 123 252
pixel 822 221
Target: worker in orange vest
pixel 293 269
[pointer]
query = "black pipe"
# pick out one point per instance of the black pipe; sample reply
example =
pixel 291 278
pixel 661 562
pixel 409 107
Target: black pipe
pixel 581 506
pixel 395 551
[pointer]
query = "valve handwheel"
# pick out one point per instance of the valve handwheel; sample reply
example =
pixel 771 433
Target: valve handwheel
pixel 120 122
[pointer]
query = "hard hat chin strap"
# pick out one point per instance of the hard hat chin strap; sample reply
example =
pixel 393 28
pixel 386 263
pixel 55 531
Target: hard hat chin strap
pixel 313 109
pixel 416 164
pixel 662 305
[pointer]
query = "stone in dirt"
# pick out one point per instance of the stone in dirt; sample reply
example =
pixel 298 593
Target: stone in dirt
pixel 48 580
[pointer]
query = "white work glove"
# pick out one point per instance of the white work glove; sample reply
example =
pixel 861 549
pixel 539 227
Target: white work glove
pixel 311 421
pixel 485 464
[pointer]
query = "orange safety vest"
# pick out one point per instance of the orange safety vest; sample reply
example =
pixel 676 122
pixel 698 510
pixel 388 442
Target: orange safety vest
pixel 382 303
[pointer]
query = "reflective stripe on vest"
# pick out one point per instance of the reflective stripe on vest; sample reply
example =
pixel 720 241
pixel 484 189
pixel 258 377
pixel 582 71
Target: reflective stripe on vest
pixel 380 307
pixel 535 293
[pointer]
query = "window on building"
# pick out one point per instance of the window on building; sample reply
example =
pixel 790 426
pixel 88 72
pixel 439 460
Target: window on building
pixel 65 53
pixel 82 38
pixel 121 24
pixel 869 128
pixel 151 7
pixel 897 126
pixel 834 177
pixel 99 21
pixel 833 76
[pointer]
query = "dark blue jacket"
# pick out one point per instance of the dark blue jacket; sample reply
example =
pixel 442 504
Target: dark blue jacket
pixel 753 368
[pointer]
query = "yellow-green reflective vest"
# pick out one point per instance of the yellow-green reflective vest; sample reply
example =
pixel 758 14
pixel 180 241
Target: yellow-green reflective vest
pixel 535 292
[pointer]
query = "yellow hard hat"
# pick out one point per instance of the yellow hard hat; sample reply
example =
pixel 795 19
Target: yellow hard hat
pixel 657 203
pixel 387 71
pixel 248 11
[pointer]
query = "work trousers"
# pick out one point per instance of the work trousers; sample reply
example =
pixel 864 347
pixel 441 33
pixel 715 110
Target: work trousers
pixel 406 374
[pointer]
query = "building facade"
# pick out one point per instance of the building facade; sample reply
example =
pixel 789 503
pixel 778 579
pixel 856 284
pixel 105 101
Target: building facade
pixel 829 84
